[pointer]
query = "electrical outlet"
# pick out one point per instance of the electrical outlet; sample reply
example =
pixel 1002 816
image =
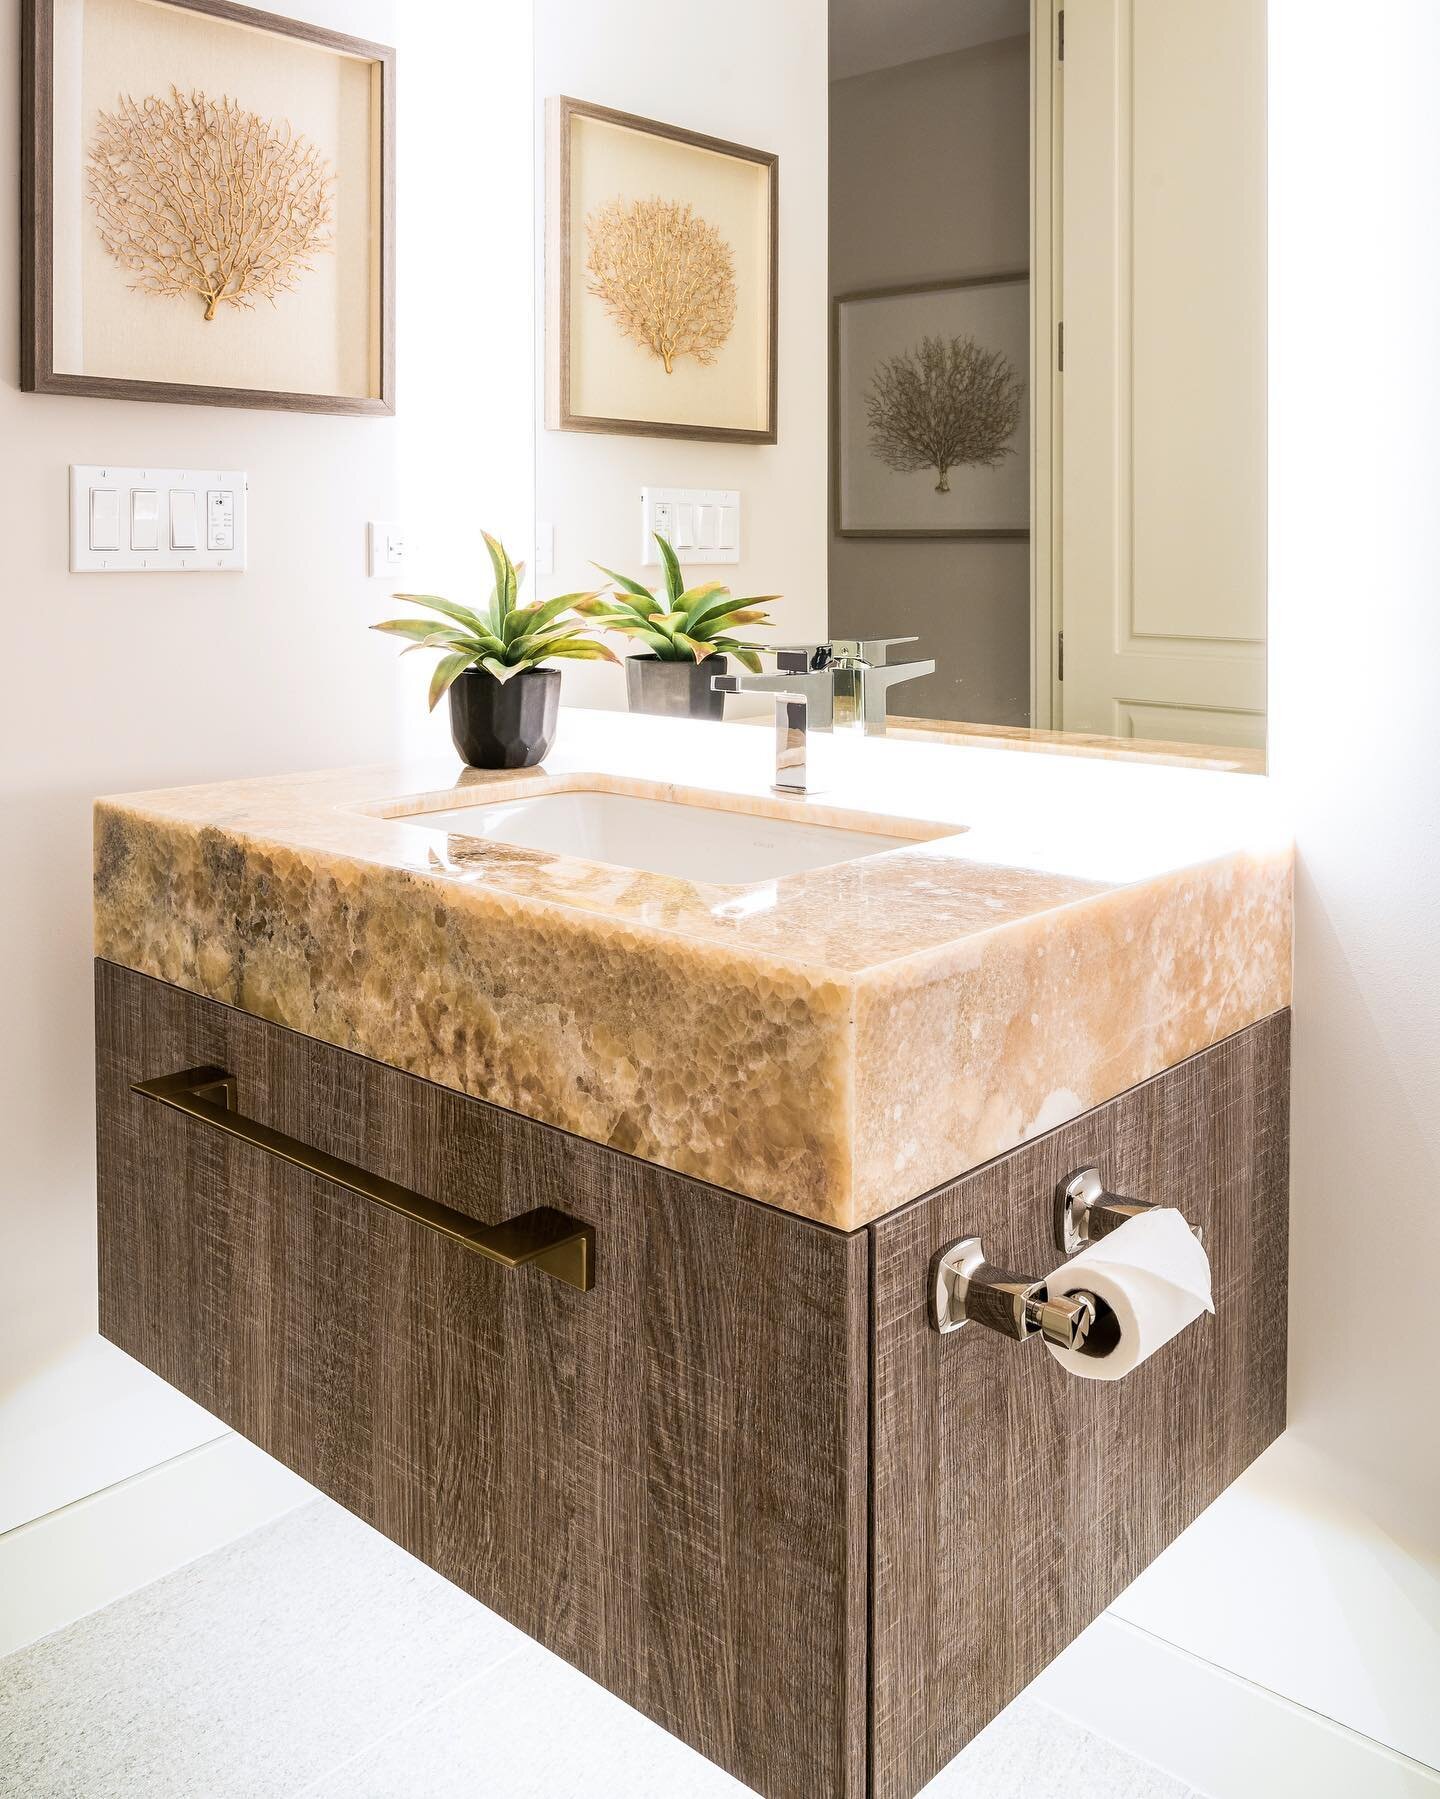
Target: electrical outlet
pixel 389 547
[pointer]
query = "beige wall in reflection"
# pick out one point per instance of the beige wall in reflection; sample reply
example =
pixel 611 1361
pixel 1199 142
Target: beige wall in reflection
pixel 930 179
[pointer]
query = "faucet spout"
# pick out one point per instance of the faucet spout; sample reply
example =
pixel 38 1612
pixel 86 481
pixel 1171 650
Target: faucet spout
pixel 819 685
pixel 879 681
pixel 804 702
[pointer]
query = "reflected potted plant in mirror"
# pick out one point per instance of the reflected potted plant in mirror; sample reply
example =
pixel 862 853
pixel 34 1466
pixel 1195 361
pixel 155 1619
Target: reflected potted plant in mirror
pixel 688 633
pixel 504 704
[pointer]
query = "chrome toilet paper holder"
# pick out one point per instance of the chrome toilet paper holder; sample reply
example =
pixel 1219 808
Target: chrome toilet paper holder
pixel 1085 1212
pixel 967 1288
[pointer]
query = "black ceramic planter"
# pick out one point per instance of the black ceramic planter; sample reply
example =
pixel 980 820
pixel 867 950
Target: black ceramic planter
pixel 674 689
pixel 505 724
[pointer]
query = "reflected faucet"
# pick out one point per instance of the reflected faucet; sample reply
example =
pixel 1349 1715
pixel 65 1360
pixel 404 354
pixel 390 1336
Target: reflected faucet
pixel 841 684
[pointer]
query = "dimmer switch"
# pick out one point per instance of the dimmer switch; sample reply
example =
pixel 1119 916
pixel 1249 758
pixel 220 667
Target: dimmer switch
pixel 220 520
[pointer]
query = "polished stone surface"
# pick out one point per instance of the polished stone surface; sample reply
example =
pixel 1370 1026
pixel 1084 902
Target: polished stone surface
pixel 1229 758
pixel 834 1042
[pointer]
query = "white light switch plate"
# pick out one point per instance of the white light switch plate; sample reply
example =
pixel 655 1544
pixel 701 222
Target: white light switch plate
pixel 544 548
pixel 389 547
pixel 703 523
pixel 189 520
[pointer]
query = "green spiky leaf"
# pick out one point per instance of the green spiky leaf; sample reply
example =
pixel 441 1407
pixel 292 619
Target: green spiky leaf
pixel 418 630
pixel 504 577
pixel 741 652
pixel 447 671
pixel 446 640
pixel 603 607
pixel 726 621
pixel 632 587
pixel 674 580
pixel 694 598
pixel 435 603
pixel 719 605
pixel 582 649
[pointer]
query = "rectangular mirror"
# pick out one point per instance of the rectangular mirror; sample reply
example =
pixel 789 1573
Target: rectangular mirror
pixel 998 269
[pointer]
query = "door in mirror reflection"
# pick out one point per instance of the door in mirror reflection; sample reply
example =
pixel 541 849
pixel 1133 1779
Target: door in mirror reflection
pixel 1110 164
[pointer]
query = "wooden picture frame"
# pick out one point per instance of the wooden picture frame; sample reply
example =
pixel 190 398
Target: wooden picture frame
pixel 838 415
pixel 38 152
pixel 565 405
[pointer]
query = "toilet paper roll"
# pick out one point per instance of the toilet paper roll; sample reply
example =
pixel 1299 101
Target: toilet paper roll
pixel 1154 1275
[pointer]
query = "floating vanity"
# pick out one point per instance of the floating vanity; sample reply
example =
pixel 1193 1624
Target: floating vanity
pixel 707 1079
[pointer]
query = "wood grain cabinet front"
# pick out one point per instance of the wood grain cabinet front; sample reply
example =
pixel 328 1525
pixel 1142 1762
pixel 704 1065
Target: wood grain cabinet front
pixel 740 1481
pixel 1012 1500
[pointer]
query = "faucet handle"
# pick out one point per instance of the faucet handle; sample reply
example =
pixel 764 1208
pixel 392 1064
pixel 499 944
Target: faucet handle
pixel 839 652
pixel 803 658
pixel 872 649
pixel 811 691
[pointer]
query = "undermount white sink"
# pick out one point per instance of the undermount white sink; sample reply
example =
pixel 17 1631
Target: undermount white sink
pixel 666 837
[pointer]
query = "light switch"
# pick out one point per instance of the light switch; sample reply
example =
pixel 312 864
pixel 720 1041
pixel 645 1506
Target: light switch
pixel 156 520
pixel 702 522
pixel 184 519
pixel 144 519
pixel 104 518
pixel 219 519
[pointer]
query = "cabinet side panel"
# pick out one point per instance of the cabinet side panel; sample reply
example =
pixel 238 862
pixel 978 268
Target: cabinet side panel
pixel 663 1480
pixel 1012 1501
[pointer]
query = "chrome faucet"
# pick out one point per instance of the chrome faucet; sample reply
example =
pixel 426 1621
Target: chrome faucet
pixel 822 686
pixel 804 701
pixel 870 678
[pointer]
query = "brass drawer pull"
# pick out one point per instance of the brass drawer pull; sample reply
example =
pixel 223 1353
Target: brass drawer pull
pixel 558 1245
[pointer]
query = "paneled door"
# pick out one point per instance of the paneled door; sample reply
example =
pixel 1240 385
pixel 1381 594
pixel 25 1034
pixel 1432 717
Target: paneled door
pixel 1162 291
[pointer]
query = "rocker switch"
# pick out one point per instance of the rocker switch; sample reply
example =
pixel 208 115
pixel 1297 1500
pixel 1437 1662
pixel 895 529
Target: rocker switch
pixel 104 518
pixel 184 523
pixel 144 519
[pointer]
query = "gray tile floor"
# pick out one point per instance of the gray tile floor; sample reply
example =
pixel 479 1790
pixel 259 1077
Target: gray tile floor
pixel 314 1660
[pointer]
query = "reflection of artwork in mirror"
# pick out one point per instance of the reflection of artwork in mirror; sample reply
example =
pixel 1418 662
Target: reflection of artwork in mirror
pixel 931 410
pixel 661 268
pixel 208 207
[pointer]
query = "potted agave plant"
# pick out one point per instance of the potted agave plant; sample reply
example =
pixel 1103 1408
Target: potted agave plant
pixel 688 633
pixel 504 705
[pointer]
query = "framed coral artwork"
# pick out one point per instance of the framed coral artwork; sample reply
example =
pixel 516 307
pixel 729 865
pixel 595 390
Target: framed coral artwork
pixel 207 207
pixel 930 409
pixel 660 279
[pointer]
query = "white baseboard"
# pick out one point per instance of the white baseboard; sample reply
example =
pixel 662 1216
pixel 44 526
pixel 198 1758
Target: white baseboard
pixel 1218 1733
pixel 84 1555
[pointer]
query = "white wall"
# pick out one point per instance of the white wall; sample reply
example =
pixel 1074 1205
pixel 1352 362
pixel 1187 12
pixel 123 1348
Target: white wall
pixel 1316 1579
pixel 754 73
pixel 122 682
pixel 1355 585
